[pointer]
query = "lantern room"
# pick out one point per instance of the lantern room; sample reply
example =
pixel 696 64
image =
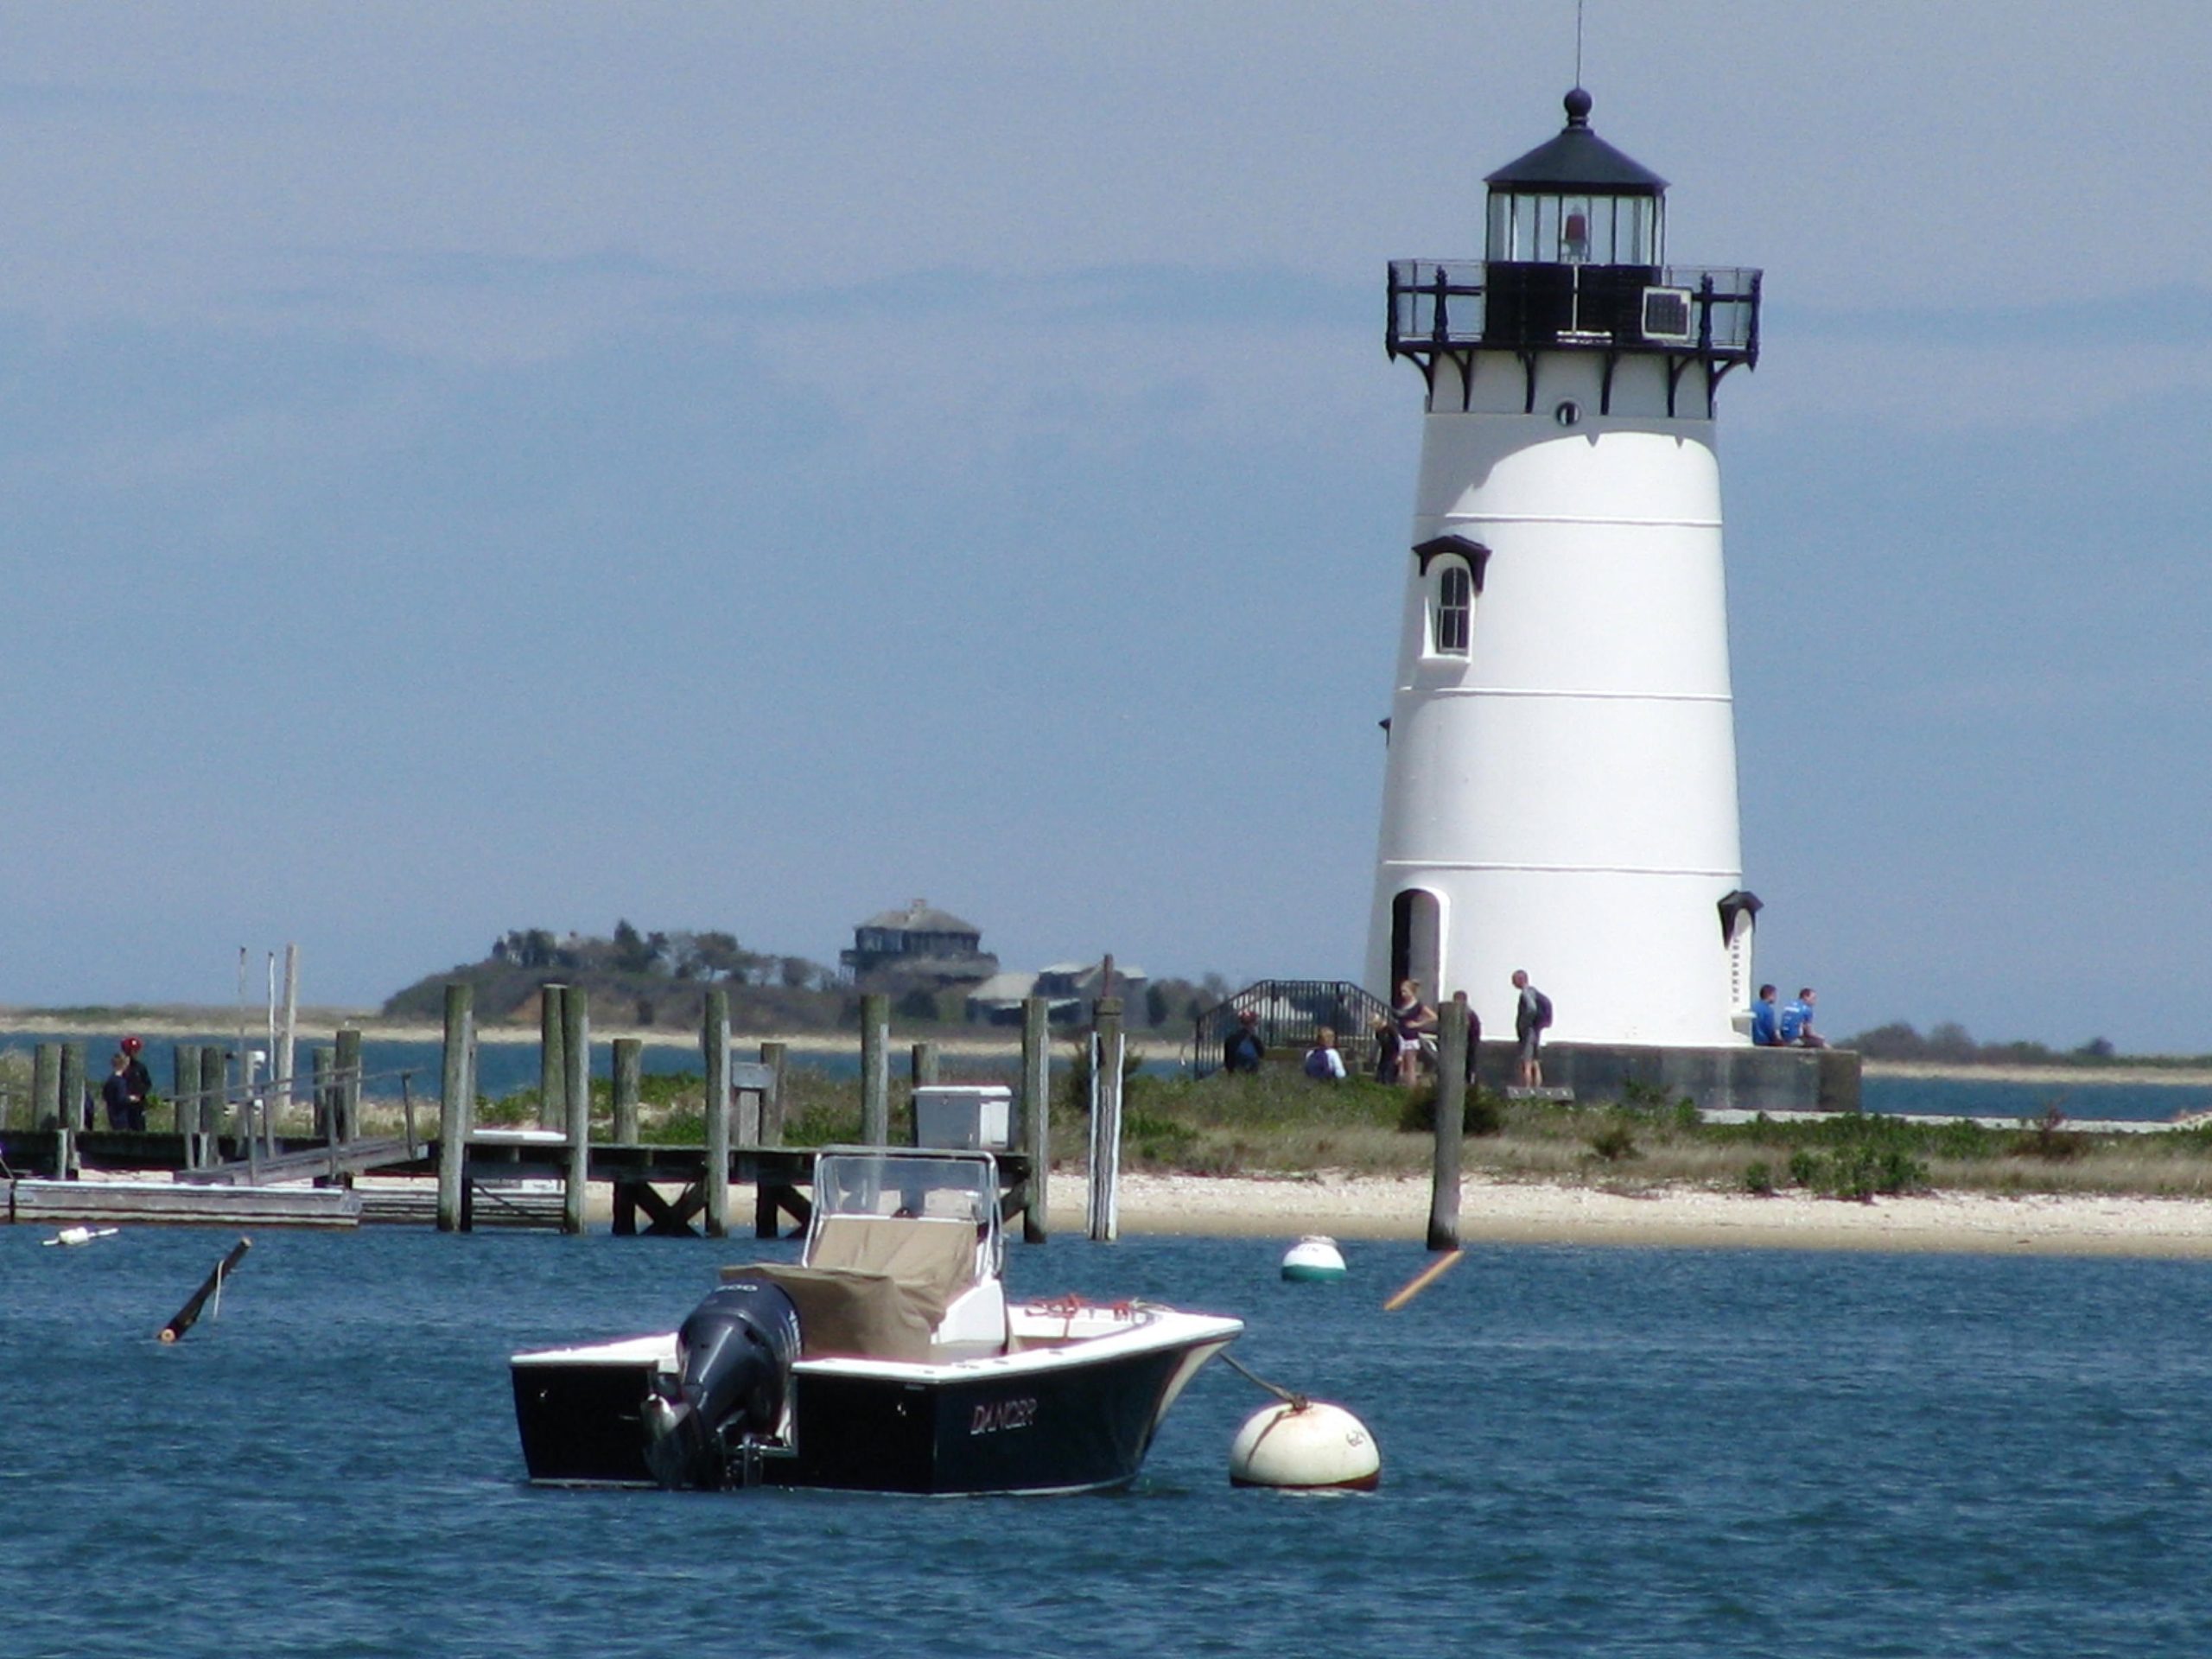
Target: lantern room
pixel 1576 201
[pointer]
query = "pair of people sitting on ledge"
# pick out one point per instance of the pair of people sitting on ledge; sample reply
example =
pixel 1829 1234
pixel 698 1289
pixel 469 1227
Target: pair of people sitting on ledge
pixel 1788 1027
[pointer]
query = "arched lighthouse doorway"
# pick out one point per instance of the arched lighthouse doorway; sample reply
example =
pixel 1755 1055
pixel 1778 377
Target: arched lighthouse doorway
pixel 1416 940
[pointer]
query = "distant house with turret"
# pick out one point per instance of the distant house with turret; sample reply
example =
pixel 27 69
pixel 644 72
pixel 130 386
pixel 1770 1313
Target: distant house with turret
pixel 919 945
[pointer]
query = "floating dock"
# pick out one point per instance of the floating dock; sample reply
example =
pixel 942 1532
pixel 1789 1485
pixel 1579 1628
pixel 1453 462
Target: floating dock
pixel 40 1203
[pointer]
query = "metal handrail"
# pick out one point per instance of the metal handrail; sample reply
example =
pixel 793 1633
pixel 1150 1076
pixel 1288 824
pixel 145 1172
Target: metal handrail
pixel 1422 318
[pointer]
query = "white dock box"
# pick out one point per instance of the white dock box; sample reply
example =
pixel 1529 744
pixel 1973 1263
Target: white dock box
pixel 962 1116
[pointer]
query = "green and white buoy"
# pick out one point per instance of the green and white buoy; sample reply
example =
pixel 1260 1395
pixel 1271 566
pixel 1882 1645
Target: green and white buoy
pixel 1313 1260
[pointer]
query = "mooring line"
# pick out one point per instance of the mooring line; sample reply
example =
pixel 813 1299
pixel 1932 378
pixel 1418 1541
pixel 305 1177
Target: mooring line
pixel 1297 1402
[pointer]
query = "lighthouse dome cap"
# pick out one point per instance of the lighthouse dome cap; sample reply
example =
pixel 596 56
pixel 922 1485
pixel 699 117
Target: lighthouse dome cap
pixel 1578 159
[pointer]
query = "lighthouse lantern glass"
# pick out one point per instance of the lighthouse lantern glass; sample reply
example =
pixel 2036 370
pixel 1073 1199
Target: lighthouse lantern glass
pixel 1529 227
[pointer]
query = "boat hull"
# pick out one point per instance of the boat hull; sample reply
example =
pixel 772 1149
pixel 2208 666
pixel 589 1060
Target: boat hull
pixel 1079 1416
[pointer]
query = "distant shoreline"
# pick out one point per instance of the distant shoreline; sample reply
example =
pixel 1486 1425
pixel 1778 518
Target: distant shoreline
pixel 319 1021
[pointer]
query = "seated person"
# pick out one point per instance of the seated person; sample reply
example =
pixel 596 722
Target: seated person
pixel 1323 1063
pixel 1766 1021
pixel 1797 1022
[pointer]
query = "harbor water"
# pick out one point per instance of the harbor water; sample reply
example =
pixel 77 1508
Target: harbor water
pixel 1627 1450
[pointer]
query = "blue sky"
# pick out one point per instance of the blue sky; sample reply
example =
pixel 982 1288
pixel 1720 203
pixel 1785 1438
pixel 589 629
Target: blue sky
pixel 474 467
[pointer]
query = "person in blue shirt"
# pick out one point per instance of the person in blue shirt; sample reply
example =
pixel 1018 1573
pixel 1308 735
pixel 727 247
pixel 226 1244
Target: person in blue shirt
pixel 1797 1022
pixel 1766 1021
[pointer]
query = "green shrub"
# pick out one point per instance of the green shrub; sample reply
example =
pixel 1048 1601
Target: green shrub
pixel 1861 1172
pixel 1614 1140
pixel 1759 1178
pixel 2051 1141
pixel 1482 1113
pixel 1157 1141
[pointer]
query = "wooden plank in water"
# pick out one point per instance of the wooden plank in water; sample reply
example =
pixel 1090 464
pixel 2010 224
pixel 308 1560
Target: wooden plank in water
pixel 38 1202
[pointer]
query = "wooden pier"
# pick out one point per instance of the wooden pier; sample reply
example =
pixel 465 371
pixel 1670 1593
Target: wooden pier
pixel 497 1176
pixel 507 1181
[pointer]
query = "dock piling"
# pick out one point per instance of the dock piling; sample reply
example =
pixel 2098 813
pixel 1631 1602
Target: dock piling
pixel 552 1069
pixel 775 1057
pixel 46 1086
pixel 629 1072
pixel 184 1091
pixel 347 1060
pixel 456 1105
pixel 576 1055
pixel 715 1041
pixel 1105 1208
pixel 213 1090
pixel 1451 1119
pixel 1036 1113
pixel 875 1069
pixel 73 1098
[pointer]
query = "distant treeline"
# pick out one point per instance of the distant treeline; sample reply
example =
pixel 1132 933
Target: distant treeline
pixel 640 978
pixel 1951 1044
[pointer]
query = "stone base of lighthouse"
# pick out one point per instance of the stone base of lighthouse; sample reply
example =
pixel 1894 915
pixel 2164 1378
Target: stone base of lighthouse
pixel 1737 1078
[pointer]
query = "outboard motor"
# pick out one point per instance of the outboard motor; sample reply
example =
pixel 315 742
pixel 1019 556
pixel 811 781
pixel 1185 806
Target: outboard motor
pixel 734 1356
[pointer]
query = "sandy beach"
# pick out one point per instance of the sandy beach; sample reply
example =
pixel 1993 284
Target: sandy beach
pixel 1349 1207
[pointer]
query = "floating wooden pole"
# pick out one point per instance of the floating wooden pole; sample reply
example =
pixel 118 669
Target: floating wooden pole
pixel 1421 1281
pixel 456 1107
pixel 875 1069
pixel 1451 1120
pixel 575 1088
pixel 714 1040
pixel 188 1314
pixel 347 1061
pixel 1036 1112
pixel 1105 1207
pixel 629 1074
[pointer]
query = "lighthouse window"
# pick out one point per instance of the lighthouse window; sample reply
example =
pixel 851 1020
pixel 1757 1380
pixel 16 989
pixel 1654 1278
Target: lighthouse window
pixel 1453 595
pixel 1578 229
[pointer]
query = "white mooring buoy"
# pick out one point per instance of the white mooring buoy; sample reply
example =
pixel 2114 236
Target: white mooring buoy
pixel 79 1235
pixel 1313 1260
pixel 1305 1446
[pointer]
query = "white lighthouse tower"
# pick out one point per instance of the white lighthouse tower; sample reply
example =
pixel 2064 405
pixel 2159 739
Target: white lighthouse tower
pixel 1561 793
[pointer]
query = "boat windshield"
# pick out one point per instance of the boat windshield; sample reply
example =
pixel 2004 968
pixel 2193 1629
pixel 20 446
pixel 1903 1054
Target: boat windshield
pixel 946 1187
pixel 885 1185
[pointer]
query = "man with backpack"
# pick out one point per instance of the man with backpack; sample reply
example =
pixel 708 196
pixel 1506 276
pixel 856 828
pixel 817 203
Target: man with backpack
pixel 1531 1016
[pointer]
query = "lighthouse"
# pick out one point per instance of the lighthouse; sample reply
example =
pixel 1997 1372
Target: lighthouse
pixel 1560 790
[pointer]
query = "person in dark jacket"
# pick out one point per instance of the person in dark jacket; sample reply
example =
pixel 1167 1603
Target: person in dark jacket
pixel 1243 1051
pixel 138 1082
pixel 115 1093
